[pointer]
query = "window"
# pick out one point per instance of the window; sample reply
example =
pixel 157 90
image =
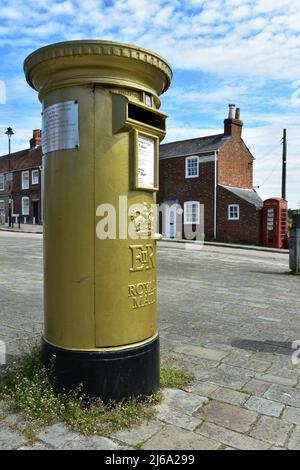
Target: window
pixel 192 167
pixel 233 212
pixel 1 182
pixel 192 212
pixel 35 177
pixel 2 207
pixel 148 99
pixel 25 205
pixel 25 179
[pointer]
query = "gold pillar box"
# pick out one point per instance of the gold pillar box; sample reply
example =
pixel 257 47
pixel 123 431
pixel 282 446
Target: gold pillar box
pixel 101 133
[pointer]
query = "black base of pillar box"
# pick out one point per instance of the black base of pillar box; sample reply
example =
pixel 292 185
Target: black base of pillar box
pixel 111 376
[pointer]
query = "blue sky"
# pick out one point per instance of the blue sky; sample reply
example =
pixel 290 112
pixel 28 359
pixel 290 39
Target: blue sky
pixel 245 52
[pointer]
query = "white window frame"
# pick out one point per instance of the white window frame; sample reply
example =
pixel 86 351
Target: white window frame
pixel 234 206
pixel 26 213
pixel 2 201
pixel 2 178
pixel 35 176
pixel 187 219
pixel 148 99
pixel 24 186
pixel 187 160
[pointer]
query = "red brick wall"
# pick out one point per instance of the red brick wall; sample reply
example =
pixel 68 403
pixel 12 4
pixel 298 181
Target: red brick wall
pixel 235 164
pixel 235 168
pixel 174 186
pixel 247 229
pixel 21 161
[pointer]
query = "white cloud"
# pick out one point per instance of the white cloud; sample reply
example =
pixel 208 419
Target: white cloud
pixel 2 92
pixel 246 50
pixel 268 6
pixel 209 16
pixel 10 13
pixel 194 96
pixel 63 8
pixel 240 13
pixel 219 36
pixel 185 132
pixel 163 16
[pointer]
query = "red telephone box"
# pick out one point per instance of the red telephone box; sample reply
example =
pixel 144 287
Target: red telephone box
pixel 275 223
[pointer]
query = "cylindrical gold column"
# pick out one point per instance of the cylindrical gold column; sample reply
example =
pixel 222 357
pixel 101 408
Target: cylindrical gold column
pixel 101 130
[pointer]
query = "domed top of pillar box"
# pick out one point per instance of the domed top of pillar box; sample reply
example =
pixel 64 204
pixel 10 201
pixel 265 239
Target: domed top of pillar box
pixel 96 62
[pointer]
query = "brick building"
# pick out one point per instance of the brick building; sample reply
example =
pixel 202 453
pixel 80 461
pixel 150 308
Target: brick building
pixel 24 184
pixel 216 171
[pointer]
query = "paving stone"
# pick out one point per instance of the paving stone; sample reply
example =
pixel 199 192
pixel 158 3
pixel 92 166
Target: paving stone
pixel 256 387
pixel 277 448
pixel 201 364
pixel 92 443
pixel 9 439
pixel 220 346
pixel 231 325
pixel 254 345
pixel 273 430
pixel 230 376
pixel 56 435
pixel 286 395
pixel 264 356
pixel 264 406
pixel 238 360
pixel 284 372
pixel 237 356
pixel 200 370
pixel 276 379
pixel 198 351
pixel 138 433
pixel 174 438
pixel 182 401
pixel 282 365
pixel 35 446
pixel 231 438
pixel 204 373
pixel 204 389
pixel 11 419
pixel 229 416
pixel 230 396
pixel 292 415
pixel 177 418
pixel 294 440
pixel 15 420
pixel 259 366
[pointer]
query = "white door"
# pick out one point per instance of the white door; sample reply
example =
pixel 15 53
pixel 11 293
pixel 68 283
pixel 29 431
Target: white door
pixel 170 223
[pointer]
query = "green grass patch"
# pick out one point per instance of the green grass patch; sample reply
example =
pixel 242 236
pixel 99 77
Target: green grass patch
pixel 27 390
pixel 293 273
pixel 174 378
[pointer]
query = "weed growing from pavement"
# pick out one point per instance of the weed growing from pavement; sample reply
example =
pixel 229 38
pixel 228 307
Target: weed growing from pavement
pixel 293 273
pixel 173 378
pixel 27 390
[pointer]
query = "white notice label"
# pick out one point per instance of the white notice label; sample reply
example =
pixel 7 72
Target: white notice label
pixel 146 162
pixel 60 127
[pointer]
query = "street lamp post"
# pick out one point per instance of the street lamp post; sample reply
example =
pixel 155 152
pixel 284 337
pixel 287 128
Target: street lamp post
pixel 9 132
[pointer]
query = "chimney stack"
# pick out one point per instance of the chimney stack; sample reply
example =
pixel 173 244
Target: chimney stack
pixel 233 124
pixel 36 140
pixel 231 111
